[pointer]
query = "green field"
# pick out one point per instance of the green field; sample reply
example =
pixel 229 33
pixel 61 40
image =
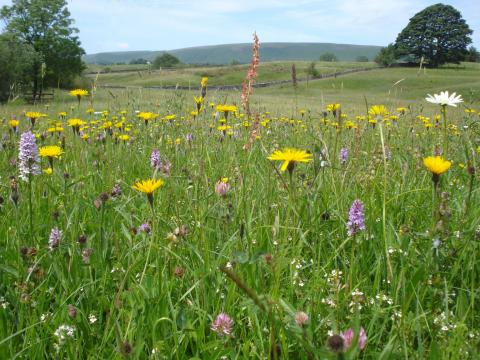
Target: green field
pixel 222 75
pixel 145 278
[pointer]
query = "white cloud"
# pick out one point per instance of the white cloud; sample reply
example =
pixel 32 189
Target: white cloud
pixel 123 45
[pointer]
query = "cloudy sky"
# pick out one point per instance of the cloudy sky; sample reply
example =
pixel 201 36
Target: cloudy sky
pixel 115 25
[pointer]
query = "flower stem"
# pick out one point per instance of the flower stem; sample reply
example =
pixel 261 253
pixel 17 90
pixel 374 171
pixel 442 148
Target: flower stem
pixel 445 128
pixel 30 206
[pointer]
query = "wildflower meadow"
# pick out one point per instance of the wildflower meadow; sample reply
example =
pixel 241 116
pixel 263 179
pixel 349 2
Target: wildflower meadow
pixel 246 224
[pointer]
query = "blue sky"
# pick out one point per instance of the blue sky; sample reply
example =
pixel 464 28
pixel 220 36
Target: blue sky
pixel 117 25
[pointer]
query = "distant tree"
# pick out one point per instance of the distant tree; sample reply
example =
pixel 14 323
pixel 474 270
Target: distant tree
pixel 311 71
pixel 165 60
pixel 139 61
pixel 16 59
pixel 472 55
pixel 328 56
pixel 362 58
pixel 234 62
pixel 387 56
pixel 46 26
pixel 438 33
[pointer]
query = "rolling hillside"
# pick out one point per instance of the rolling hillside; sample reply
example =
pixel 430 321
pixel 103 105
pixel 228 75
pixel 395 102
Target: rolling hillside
pixel 224 54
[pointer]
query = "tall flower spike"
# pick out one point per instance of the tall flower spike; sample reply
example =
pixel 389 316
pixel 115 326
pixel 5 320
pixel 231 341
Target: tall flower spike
pixel 54 238
pixel 356 218
pixel 28 156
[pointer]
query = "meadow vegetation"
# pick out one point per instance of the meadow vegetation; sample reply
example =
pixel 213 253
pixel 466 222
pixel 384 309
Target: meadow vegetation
pixel 148 229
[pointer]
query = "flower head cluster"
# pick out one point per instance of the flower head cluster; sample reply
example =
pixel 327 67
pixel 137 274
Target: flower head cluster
pixel 349 335
pixel 63 332
pixel 28 156
pixel 222 186
pixel 343 155
pixel 145 228
pixel 164 166
pixel 247 85
pixel 356 218
pixel 223 325
pixel 54 238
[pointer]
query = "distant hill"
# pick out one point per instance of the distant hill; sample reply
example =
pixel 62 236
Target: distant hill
pixel 224 54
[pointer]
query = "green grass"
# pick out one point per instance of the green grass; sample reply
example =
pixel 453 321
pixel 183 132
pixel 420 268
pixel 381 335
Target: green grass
pixel 156 295
pixel 224 75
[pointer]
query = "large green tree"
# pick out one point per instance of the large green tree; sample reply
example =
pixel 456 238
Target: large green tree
pixel 16 60
pixel 47 27
pixel 438 33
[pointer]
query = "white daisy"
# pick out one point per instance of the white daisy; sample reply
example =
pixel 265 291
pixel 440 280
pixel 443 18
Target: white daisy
pixel 444 99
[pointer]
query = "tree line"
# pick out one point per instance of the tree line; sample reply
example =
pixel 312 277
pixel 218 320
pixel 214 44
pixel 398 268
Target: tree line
pixel 38 48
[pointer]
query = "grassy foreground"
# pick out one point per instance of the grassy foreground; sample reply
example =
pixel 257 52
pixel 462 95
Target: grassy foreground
pixel 131 280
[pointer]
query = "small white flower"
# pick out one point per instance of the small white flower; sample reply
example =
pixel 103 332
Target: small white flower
pixel 445 99
pixel 63 331
pixel 92 319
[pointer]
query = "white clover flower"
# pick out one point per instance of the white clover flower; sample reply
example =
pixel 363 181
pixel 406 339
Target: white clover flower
pixel 445 99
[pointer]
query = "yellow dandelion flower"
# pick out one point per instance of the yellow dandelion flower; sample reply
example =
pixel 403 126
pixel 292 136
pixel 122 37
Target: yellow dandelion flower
pixel 226 108
pixel 223 128
pixel 333 107
pixel 350 125
pixel 290 156
pixel 437 165
pixel 78 93
pixel 14 123
pixel 170 117
pixel 75 123
pixel 148 187
pixel 204 81
pixel 378 110
pixel 51 151
pixel 147 116
pixel 33 115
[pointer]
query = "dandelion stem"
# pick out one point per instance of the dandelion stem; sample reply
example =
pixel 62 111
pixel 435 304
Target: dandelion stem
pixel 384 201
